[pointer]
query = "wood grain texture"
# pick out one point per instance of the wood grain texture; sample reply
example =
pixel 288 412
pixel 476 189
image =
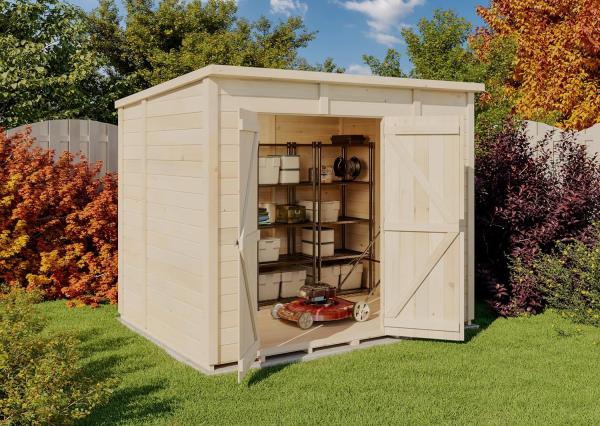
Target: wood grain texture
pixel 162 204
pixel 423 200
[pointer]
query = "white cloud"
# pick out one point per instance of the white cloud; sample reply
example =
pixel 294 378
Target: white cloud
pixel 358 69
pixel 289 7
pixel 384 17
pixel 385 39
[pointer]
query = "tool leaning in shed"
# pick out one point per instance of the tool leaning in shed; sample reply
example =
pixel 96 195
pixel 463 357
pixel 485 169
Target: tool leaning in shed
pixel 319 301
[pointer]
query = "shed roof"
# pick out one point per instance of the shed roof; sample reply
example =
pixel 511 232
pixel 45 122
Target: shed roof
pixel 250 73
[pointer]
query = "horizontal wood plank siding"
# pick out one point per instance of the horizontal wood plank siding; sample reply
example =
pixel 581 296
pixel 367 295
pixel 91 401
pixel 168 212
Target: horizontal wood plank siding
pixel 180 194
pixel 290 123
pixel 132 291
pixel 164 202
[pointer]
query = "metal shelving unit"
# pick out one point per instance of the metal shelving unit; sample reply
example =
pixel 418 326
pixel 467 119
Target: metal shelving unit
pixel 342 254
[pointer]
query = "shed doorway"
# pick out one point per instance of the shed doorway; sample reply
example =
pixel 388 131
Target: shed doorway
pixel 412 184
pixel 350 209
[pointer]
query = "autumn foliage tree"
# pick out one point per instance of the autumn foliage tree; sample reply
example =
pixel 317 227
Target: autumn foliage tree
pixel 58 223
pixel 557 68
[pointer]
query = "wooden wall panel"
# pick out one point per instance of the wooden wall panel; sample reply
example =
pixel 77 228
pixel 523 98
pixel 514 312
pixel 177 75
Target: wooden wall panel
pixel 163 199
pixel 296 119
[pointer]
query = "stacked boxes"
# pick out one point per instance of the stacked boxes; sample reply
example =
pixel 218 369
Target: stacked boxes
pixel 330 210
pixel 326 244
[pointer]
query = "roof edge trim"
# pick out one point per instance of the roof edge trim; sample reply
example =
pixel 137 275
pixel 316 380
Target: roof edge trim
pixel 228 71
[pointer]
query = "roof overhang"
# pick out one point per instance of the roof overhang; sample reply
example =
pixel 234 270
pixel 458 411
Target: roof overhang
pixel 249 73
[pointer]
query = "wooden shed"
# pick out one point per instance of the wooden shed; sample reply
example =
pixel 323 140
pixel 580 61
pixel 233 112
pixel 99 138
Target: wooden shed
pixel 189 196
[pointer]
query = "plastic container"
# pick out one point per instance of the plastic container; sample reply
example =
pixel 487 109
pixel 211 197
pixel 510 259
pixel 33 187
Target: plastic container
pixel 271 210
pixel 268 286
pixel 327 235
pixel 289 176
pixel 290 162
pixel 329 274
pixel 268 170
pixel 331 210
pixel 291 213
pixel 354 281
pixel 292 281
pixel 327 249
pixel 268 249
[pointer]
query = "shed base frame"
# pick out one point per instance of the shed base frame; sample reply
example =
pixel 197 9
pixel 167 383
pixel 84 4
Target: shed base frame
pixel 287 355
pixel 308 354
pixel 167 349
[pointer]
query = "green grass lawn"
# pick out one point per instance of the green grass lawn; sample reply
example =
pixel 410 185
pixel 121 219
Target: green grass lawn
pixel 542 370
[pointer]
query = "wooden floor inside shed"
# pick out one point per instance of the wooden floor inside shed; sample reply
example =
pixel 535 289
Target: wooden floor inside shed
pixel 280 336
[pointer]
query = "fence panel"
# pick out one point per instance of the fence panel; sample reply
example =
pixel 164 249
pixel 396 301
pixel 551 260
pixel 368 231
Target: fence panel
pixel 590 137
pixel 97 141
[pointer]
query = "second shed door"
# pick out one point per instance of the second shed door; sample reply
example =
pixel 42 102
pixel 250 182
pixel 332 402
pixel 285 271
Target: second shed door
pixel 422 236
pixel 248 240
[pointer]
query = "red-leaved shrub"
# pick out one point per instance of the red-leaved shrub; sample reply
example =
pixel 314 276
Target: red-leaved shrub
pixel 58 223
pixel 528 197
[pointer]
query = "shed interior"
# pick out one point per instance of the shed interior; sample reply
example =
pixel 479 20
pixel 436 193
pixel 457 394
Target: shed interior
pixel 356 225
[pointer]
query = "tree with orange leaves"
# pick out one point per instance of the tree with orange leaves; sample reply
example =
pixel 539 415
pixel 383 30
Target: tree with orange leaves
pixel 557 68
pixel 58 223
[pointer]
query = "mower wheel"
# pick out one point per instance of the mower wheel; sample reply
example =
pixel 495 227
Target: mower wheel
pixel 305 321
pixel 361 311
pixel 275 310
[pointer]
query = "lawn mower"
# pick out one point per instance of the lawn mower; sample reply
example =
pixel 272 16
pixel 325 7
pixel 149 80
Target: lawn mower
pixel 319 302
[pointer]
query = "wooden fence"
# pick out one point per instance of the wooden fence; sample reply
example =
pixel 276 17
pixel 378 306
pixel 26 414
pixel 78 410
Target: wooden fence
pixel 97 141
pixel 590 137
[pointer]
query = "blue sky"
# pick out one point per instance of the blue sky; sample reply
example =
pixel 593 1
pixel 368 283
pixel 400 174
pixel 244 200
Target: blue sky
pixel 347 29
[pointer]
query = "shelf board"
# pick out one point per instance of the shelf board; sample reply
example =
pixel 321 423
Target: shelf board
pixel 342 254
pixel 303 259
pixel 323 145
pixel 286 260
pixel 343 220
pixel 309 184
pixel 264 303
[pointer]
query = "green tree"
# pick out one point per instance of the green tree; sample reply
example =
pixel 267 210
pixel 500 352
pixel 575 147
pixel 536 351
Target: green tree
pixel 154 44
pixel 47 66
pixel 445 48
pixel 328 65
pixel 496 63
pixel 438 49
pixel 389 67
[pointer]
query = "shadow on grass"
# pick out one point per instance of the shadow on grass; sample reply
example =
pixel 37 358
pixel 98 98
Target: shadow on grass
pixel 139 403
pixel 93 341
pixel 484 317
pixel 265 373
pixel 132 404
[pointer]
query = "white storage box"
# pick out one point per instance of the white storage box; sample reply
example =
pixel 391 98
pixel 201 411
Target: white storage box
pixel 327 235
pixel 291 281
pixel 268 286
pixel 268 170
pixel 290 162
pixel 327 249
pixel 354 281
pixel 331 210
pixel 268 249
pixel 329 274
pixel 289 176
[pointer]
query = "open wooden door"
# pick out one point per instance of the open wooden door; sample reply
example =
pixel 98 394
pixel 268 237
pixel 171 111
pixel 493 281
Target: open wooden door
pixel 248 240
pixel 423 209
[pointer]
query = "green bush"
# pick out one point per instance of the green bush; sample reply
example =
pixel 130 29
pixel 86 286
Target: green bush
pixel 41 380
pixel 569 279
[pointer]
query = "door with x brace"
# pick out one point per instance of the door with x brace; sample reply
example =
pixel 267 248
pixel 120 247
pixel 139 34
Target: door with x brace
pixel 248 240
pixel 423 208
